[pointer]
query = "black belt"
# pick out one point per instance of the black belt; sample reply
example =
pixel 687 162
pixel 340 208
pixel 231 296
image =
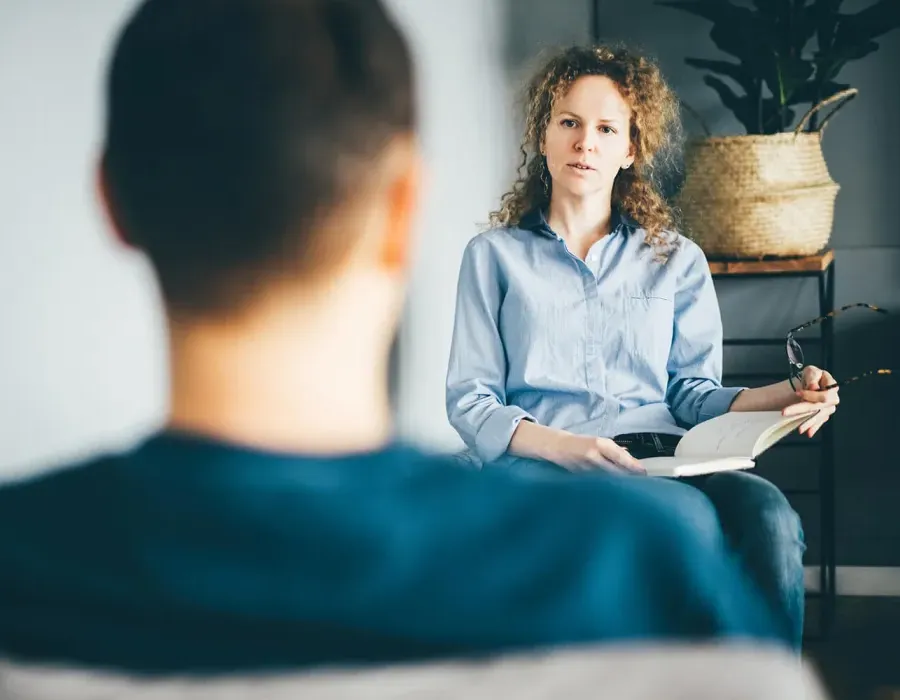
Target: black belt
pixel 643 445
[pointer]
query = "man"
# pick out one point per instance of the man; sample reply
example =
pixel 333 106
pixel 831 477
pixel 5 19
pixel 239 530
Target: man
pixel 262 153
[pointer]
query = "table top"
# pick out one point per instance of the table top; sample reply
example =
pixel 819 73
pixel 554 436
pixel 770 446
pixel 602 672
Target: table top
pixel 773 266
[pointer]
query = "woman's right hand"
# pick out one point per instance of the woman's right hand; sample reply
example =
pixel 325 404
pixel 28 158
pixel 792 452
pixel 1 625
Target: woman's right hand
pixel 586 453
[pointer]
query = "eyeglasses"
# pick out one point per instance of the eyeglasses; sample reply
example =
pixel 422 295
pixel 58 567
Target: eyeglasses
pixel 795 352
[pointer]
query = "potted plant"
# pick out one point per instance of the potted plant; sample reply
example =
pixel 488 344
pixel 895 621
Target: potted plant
pixel 769 192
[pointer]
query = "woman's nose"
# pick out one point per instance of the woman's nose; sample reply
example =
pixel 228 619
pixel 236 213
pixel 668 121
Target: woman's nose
pixel 587 142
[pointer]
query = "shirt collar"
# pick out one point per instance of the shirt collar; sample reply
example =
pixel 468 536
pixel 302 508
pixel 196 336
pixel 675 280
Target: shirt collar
pixel 536 220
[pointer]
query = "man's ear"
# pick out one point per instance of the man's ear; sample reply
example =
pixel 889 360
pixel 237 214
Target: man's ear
pixel 403 199
pixel 108 205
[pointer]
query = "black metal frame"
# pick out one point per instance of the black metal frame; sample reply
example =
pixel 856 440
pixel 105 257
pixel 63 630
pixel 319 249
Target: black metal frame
pixel 826 486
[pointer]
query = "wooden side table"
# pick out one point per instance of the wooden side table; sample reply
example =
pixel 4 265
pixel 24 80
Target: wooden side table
pixel 821 267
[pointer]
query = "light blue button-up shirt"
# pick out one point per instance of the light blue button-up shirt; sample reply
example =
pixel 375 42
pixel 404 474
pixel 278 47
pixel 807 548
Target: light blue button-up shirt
pixel 616 343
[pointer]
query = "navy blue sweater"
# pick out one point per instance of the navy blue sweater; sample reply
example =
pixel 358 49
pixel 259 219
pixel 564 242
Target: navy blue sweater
pixel 187 554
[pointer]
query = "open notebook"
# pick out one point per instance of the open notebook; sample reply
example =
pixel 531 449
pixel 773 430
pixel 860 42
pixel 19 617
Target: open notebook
pixel 730 441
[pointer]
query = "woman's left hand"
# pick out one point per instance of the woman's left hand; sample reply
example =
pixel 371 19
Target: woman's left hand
pixel 809 399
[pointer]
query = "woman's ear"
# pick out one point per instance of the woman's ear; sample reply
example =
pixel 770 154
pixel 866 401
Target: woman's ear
pixel 629 159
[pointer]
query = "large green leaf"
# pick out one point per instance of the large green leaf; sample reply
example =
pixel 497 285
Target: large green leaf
pixel 877 19
pixel 770 8
pixel 713 10
pixel 769 40
pixel 802 27
pixel 776 117
pixel 824 13
pixel 735 71
pixel 844 50
pixel 790 24
pixel 745 40
pixel 737 31
pixel 741 106
pixel 758 116
pixel 734 28
pixel 790 73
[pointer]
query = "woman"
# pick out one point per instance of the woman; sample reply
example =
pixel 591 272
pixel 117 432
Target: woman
pixel 581 314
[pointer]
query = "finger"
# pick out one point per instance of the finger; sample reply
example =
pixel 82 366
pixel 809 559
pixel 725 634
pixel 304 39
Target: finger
pixel 796 409
pixel 624 459
pixel 811 376
pixel 826 378
pixel 811 426
pixel 627 461
pixel 597 460
pixel 815 429
pixel 829 397
pixel 614 467
pixel 818 424
pixel 807 425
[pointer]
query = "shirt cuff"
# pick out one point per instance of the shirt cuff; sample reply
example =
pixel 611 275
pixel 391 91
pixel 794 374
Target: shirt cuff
pixel 493 438
pixel 718 401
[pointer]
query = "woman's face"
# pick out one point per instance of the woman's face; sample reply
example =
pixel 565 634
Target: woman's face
pixel 588 138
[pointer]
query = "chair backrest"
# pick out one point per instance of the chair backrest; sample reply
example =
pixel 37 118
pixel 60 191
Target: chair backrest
pixel 635 673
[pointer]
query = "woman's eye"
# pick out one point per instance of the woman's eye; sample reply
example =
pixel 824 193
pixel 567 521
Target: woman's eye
pixel 568 123
pixel 607 130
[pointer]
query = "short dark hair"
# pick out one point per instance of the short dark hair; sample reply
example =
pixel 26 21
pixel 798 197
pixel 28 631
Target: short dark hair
pixel 236 127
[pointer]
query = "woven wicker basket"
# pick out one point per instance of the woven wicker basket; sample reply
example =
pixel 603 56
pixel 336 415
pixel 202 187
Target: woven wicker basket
pixel 757 196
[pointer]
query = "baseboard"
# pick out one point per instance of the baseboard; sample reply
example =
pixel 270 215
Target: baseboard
pixel 859 580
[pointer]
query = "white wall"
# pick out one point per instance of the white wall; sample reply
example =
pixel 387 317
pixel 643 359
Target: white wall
pixel 469 144
pixel 82 357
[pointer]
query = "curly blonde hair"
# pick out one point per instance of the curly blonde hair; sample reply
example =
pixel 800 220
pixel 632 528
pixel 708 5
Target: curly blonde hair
pixel 656 135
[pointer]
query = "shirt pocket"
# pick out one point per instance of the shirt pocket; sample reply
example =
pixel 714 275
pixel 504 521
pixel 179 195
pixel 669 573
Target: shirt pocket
pixel 649 326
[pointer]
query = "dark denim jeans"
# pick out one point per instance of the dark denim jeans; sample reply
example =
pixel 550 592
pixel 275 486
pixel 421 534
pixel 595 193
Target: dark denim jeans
pixel 752 514
pixel 765 532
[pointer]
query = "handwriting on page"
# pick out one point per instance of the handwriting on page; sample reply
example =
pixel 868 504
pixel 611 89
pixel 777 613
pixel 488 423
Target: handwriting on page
pixel 732 434
pixel 739 440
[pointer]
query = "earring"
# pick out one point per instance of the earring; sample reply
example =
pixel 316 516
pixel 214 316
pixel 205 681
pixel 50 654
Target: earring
pixel 626 166
pixel 544 179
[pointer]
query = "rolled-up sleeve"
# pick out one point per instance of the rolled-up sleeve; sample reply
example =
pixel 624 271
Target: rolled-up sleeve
pixel 695 392
pixel 476 376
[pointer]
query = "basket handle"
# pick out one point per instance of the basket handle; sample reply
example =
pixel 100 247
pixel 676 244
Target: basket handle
pixel 849 94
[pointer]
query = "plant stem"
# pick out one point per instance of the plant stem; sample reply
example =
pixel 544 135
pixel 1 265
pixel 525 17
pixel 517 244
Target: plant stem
pixel 759 106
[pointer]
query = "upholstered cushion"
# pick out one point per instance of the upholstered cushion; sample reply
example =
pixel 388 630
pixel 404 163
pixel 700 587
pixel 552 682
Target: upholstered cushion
pixel 691 673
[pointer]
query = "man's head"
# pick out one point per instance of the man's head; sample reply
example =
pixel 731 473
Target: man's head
pixel 254 145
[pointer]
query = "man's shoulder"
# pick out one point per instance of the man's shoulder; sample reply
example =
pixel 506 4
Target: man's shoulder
pixel 434 493
pixel 401 471
pixel 53 485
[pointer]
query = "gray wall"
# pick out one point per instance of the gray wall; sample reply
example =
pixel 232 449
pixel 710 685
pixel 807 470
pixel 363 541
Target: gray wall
pixel 862 148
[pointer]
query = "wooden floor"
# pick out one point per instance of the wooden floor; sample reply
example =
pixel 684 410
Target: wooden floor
pixel 860 657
